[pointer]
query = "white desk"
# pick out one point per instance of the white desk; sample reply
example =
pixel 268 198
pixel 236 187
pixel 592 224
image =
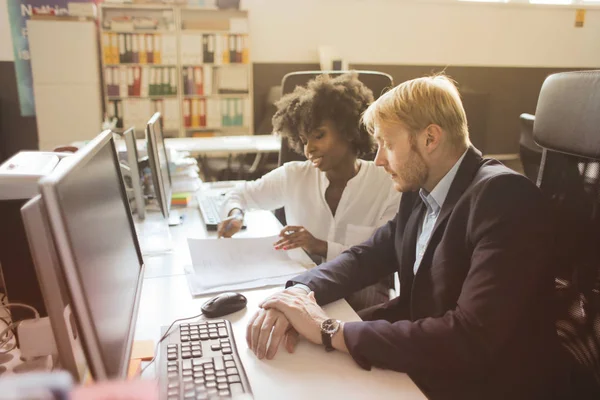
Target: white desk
pixel 310 371
pixel 222 146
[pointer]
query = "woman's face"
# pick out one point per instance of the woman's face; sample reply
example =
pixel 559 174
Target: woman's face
pixel 326 148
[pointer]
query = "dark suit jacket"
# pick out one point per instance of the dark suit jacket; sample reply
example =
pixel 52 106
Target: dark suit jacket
pixel 476 321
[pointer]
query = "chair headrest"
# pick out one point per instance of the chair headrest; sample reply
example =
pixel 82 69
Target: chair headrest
pixel 567 117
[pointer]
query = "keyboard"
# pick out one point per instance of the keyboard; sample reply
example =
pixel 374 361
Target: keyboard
pixel 210 209
pixel 200 361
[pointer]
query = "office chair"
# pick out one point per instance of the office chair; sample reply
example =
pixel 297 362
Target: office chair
pixel 529 152
pixel 566 127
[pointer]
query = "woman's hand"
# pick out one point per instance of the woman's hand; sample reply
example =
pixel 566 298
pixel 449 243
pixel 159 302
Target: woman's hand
pixel 231 225
pixel 296 236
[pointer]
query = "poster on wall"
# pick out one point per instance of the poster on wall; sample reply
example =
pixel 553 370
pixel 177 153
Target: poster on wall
pixel 19 11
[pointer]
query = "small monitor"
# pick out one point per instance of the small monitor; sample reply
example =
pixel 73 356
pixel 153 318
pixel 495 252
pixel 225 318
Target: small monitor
pixel 99 254
pixel 133 163
pixel 71 355
pixel 159 163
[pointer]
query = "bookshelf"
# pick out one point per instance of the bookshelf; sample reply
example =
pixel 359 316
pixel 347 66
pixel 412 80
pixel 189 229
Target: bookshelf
pixel 190 63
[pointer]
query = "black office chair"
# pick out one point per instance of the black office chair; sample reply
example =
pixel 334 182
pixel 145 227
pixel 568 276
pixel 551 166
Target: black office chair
pixel 567 127
pixel 529 152
pixel 378 82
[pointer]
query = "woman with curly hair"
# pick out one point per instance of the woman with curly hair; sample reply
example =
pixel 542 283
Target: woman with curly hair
pixel 333 200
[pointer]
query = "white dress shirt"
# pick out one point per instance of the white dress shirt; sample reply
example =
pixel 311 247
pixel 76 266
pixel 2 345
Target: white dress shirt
pixel 368 201
pixel 434 202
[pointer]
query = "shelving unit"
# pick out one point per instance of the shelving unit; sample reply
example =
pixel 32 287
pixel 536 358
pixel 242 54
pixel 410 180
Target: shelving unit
pixel 190 63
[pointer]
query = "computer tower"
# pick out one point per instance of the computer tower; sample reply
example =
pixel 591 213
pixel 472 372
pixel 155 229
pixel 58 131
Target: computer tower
pixel 19 177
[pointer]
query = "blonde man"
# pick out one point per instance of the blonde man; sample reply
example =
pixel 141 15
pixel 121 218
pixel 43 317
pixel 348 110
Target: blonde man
pixel 470 243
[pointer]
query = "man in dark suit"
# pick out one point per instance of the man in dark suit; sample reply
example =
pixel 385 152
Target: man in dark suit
pixel 470 243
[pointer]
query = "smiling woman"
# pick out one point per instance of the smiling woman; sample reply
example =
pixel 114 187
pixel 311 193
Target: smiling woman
pixel 334 200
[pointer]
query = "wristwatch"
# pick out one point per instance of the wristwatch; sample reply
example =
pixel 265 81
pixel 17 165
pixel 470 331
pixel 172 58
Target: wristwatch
pixel 328 328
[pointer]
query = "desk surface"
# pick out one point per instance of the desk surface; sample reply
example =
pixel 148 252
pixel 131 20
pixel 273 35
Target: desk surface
pixel 310 370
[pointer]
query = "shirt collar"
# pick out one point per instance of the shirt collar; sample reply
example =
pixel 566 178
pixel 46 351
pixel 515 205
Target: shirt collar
pixel 435 200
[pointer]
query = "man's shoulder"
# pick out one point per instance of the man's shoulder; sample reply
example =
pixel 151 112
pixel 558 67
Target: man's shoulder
pixel 501 184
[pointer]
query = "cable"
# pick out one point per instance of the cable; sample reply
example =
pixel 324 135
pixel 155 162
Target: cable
pixel 32 309
pixel 163 338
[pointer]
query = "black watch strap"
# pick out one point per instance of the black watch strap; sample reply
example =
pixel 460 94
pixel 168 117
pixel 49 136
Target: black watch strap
pixel 326 338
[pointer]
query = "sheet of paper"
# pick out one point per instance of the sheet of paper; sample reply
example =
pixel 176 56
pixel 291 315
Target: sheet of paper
pixel 251 261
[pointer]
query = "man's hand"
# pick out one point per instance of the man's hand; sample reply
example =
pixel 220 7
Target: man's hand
pixel 271 324
pixel 231 225
pixel 296 236
pixel 301 310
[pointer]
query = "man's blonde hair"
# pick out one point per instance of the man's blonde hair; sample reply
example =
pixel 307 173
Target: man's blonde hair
pixel 420 102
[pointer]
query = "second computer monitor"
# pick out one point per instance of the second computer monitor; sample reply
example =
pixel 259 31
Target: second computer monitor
pixel 159 163
pixel 100 258
pixel 132 161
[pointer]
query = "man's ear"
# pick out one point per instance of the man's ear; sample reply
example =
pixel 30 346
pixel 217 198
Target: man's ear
pixel 433 137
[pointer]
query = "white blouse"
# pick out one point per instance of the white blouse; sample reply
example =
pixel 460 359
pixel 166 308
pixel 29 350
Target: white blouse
pixel 368 201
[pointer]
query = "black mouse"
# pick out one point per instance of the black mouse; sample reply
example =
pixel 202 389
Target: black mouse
pixel 223 304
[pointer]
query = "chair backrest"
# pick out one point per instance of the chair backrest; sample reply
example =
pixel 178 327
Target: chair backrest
pixel 530 152
pixel 378 82
pixel 567 127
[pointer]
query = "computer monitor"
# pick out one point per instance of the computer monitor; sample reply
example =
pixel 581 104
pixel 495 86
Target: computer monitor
pixel 159 163
pixel 71 355
pixel 99 254
pixel 132 161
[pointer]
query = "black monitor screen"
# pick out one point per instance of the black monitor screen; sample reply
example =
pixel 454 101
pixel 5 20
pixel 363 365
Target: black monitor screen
pixel 102 241
pixel 159 163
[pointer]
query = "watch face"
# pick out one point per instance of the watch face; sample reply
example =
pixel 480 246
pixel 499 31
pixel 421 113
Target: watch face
pixel 330 326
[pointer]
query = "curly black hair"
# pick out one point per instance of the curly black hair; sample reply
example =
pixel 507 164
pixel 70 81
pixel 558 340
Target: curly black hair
pixel 341 100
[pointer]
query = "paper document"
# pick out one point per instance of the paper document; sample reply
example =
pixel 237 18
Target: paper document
pixel 244 262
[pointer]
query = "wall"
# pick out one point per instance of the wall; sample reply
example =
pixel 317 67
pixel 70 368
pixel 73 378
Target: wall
pixel 423 33
pixel 503 52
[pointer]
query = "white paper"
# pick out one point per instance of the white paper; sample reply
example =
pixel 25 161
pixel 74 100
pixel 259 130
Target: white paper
pixel 249 261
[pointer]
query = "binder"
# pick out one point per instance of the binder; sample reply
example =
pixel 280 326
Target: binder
pixel 106 51
pixel 195 117
pixel 135 49
pixel 130 81
pixel 207 79
pixel 205 49
pixel 157 52
pixel 198 80
pixel 185 79
pixel 114 48
pixel 166 84
pixel 122 58
pixel 239 116
pixel 149 49
pixel 144 81
pixel 137 78
pixel 109 81
pixel 123 81
pixel 245 50
pixel 128 51
pixel 202 111
pixel 143 57
pixel 226 49
pixel 232 56
pixel 238 48
pixel 186 113
pixel 211 49
pixel 173 81
pixel 158 82
pixel 152 82
pixel 190 80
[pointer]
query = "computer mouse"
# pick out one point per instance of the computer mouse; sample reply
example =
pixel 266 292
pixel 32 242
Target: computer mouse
pixel 223 304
